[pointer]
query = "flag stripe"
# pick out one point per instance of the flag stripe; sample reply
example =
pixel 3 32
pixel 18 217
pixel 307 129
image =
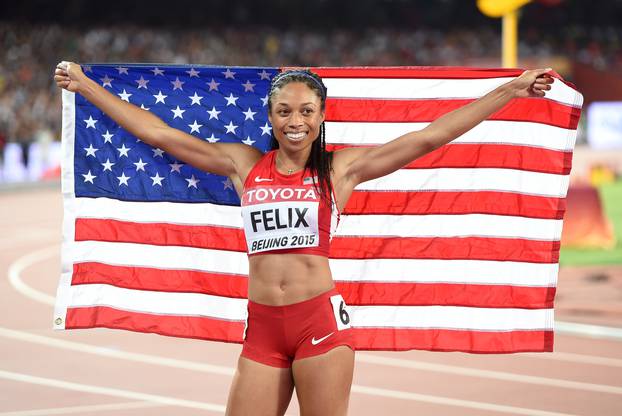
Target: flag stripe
pixel 489 156
pixel 364 338
pixel 489 131
pixel 437 88
pixel 399 339
pixel 481 272
pixel 178 326
pixel 217 238
pixel 368 293
pixel 446 202
pixel 396 111
pixel 466 179
pixel 233 309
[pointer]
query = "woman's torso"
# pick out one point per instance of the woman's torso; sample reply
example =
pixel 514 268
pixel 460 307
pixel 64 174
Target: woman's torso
pixel 288 228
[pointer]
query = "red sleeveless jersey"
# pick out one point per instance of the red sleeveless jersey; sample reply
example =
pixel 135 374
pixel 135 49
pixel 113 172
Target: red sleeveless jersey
pixel 285 213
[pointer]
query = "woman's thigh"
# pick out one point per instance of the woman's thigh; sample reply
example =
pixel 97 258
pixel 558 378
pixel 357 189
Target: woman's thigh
pixel 259 389
pixel 323 382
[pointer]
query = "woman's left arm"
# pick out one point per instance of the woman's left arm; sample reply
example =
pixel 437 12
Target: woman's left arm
pixel 358 165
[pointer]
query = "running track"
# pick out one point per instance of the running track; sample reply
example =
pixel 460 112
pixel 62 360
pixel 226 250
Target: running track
pixel 105 372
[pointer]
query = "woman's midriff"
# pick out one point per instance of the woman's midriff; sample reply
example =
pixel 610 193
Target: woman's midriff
pixel 283 279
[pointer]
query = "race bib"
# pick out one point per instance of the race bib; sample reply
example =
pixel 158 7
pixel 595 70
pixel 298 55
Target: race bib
pixel 341 312
pixel 278 218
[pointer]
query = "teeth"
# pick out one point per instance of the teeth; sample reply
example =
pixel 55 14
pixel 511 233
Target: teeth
pixel 295 136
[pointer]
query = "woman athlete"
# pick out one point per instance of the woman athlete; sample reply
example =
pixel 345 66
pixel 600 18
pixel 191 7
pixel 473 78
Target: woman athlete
pixel 297 332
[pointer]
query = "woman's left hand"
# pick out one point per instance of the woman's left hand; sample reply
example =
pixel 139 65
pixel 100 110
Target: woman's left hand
pixel 532 83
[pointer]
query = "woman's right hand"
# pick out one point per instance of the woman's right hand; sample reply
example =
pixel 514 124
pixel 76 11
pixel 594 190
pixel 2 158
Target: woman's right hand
pixel 68 75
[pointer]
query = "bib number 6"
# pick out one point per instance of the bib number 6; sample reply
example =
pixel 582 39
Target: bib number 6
pixel 340 310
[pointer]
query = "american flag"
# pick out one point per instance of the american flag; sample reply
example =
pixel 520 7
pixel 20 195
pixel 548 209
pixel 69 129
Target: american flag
pixel 458 251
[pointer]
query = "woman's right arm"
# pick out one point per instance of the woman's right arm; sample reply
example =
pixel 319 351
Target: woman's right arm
pixel 227 159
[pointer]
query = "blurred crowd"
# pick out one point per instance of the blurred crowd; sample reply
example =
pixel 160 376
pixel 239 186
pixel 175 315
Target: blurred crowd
pixel 30 102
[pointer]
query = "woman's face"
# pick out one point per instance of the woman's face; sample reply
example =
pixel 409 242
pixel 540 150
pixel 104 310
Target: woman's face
pixel 296 116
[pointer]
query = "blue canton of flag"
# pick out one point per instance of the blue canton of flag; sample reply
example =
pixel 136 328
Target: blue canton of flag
pixel 216 104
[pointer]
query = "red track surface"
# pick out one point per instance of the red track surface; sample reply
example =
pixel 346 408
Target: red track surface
pixel 105 372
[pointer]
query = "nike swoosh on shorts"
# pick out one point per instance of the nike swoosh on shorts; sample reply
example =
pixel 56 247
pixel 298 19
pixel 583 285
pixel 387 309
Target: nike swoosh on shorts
pixel 317 341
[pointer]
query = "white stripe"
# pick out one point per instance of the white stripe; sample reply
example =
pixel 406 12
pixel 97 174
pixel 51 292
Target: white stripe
pixel 69 217
pixel 162 257
pixel 445 271
pixel 478 179
pixel 478 225
pixel 161 303
pixel 404 88
pixel 491 131
pixel 150 212
pixel 451 317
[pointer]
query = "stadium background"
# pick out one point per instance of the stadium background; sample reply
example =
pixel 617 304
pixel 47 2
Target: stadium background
pixel 581 40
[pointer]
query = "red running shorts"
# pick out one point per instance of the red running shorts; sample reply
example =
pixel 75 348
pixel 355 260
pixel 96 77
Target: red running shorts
pixel 278 335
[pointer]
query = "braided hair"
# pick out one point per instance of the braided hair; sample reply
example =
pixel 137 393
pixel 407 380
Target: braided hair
pixel 320 161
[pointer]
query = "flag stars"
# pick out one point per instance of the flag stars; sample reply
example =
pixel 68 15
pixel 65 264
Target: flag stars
pixel 125 96
pixel 248 141
pixel 212 139
pixel 107 137
pixel 266 129
pixel 177 84
pixel 264 74
pixel 160 97
pixel 106 81
pixel 108 165
pixel 192 182
pixel 249 115
pixel 176 167
pixel 213 85
pixel 140 165
pixel 88 177
pixel 90 123
pixel 231 127
pixel 264 100
pixel 90 151
pixel 123 150
pixel 193 73
pixel 227 184
pixel 178 112
pixel 229 74
pixel 142 82
pixel 158 152
pixel 122 70
pixel 157 71
pixel 123 179
pixel 144 108
pixel 248 87
pixel 196 99
pixel 231 99
pixel 194 127
pixel 157 179
pixel 213 113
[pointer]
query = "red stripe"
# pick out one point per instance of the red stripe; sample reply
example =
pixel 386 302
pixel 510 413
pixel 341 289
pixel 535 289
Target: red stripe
pixel 422 72
pixel 440 202
pixel 466 248
pixel 446 294
pixel 214 237
pixel 355 293
pixel 175 326
pixel 403 339
pixel 403 111
pixel 146 278
pixel 501 156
